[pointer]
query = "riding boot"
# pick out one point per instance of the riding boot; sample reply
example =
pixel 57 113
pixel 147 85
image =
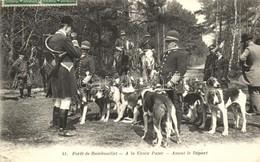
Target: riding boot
pixel 63 115
pixel 55 119
pixel 179 110
pixel 21 93
pixel 29 89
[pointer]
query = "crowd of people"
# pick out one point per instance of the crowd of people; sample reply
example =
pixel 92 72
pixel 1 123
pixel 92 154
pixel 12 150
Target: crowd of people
pixel 70 64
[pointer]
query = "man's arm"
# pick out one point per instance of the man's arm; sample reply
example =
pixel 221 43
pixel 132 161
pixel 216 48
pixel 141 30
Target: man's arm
pixel 72 48
pixel 244 55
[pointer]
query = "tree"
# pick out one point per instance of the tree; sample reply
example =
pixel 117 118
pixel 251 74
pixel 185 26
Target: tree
pixel 237 16
pixel 184 22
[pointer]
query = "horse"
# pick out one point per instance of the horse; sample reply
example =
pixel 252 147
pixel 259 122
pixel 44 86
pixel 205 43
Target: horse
pixel 122 64
pixel 123 61
pixel 148 63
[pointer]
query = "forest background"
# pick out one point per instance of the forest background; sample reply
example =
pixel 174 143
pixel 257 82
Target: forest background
pixel 100 22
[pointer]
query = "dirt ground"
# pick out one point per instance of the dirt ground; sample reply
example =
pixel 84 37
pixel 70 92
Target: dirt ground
pixel 25 136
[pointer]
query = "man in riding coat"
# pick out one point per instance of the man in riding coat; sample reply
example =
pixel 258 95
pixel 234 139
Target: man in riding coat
pixel 173 68
pixel 22 80
pixel 146 43
pixel 250 61
pixel 65 48
pixel 122 47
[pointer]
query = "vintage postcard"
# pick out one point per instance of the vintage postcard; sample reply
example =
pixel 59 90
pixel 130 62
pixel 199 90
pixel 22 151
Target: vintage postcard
pixel 130 80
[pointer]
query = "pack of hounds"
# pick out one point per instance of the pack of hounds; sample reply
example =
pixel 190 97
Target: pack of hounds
pixel 148 102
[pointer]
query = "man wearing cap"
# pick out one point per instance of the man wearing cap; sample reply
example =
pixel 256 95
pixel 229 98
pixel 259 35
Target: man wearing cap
pixel 85 69
pixel 63 48
pixel 21 68
pixel 146 43
pixel 208 69
pixel 250 61
pixel 174 66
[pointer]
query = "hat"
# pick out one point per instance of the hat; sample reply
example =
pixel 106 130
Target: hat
pixel 245 37
pixel 67 20
pixel 172 35
pixel 122 32
pixel 85 45
pixel 211 47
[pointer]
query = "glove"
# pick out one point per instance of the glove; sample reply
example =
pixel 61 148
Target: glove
pixel 86 79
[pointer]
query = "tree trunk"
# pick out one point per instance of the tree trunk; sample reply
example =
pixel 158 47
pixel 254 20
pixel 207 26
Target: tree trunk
pixel 217 19
pixel 11 53
pixel 23 33
pixel 254 21
pixel 234 32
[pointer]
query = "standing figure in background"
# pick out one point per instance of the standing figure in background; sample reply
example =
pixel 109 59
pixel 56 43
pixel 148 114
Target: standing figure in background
pixel 174 67
pixel 220 68
pixel 33 62
pixel 250 62
pixel 62 48
pixel 21 78
pixel 208 69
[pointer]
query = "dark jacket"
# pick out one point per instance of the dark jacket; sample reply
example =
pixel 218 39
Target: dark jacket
pixel 220 69
pixel 173 61
pixel 146 44
pixel 209 64
pixel 84 64
pixel 63 84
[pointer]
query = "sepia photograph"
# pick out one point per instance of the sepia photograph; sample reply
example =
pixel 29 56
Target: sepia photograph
pixel 130 80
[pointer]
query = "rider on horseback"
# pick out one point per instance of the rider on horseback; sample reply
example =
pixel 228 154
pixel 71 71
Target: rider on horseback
pixel 121 58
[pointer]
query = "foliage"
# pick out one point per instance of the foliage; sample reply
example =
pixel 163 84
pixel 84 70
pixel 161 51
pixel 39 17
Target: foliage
pixel 100 23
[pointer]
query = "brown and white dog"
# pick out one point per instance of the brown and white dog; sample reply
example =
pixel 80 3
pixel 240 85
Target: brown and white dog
pixel 195 101
pixel 103 96
pixel 160 107
pixel 222 100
